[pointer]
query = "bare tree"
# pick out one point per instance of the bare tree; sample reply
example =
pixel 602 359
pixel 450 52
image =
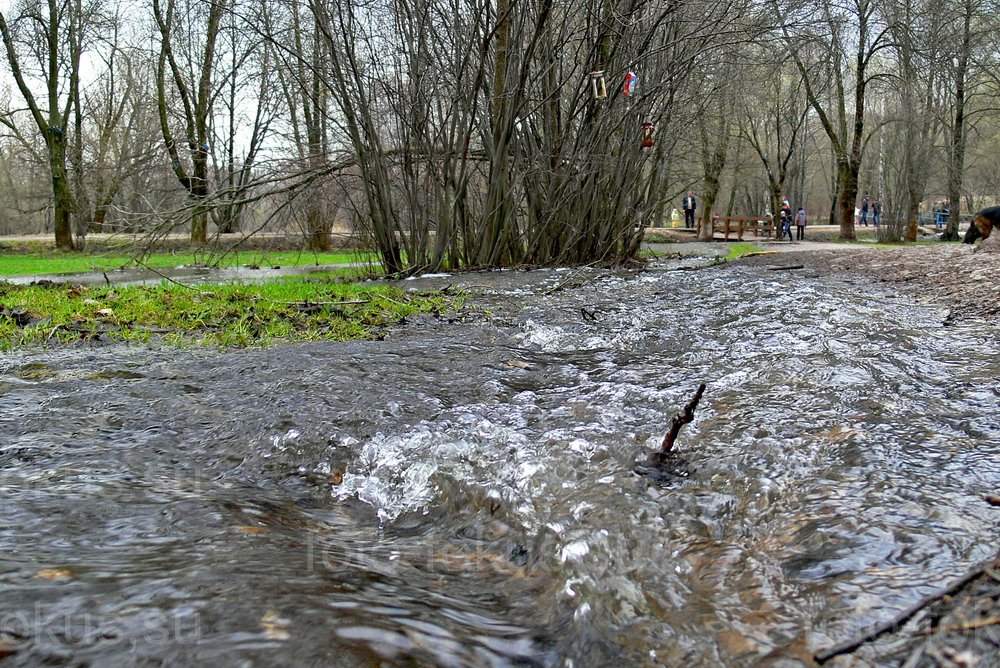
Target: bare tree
pixel 835 55
pixel 45 42
pixel 189 72
pixel 773 118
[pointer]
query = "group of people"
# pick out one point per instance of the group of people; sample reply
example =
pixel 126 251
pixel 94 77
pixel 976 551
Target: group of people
pixel 786 217
pixel 942 210
pixel 875 208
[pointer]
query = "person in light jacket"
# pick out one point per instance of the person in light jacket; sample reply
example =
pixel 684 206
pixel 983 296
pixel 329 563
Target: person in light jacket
pixel 800 224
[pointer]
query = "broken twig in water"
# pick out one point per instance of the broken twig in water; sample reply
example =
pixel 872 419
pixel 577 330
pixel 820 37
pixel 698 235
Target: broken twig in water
pixel 679 421
pixel 968 626
pixel 899 620
pixel 663 464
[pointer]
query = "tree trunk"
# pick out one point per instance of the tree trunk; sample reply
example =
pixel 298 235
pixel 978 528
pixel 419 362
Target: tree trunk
pixel 956 162
pixel 62 198
pixel 318 232
pixel 848 180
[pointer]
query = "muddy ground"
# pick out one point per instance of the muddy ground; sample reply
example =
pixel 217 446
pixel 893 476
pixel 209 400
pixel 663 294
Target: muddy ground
pixel 958 276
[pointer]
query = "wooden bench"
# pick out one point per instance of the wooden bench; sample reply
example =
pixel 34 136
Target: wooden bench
pixel 759 225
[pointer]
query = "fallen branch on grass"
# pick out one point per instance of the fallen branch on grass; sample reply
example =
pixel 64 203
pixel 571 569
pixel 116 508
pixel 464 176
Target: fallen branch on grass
pixel 308 304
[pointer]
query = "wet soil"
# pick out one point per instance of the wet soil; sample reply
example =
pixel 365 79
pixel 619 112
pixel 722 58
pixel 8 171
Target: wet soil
pixel 954 275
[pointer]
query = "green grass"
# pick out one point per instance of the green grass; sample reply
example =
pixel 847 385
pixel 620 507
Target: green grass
pixel 740 249
pixel 232 315
pixel 63 263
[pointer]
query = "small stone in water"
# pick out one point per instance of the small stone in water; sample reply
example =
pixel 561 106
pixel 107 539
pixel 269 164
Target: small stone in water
pixel 275 628
pixel 337 475
pixel 249 529
pixel 54 574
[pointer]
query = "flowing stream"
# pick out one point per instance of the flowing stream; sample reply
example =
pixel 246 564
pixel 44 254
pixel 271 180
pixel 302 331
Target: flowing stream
pixel 463 493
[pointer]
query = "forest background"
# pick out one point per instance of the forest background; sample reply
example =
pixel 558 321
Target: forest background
pixel 467 133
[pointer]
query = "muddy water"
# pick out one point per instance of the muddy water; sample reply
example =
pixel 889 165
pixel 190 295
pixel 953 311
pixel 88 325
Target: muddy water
pixel 462 494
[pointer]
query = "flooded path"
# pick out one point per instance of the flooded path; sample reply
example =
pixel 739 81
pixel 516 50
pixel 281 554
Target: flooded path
pixel 462 494
pixel 183 274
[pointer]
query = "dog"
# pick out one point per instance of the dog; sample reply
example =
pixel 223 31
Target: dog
pixel 982 224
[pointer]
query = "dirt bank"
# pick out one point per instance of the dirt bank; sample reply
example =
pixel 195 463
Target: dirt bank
pixel 957 275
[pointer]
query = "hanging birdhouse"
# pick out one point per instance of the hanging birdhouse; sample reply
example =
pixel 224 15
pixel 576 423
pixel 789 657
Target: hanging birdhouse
pixel 599 87
pixel 647 133
pixel 628 90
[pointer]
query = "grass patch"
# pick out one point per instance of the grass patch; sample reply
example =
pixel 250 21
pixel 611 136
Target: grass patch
pixel 231 315
pixel 65 263
pixel 740 249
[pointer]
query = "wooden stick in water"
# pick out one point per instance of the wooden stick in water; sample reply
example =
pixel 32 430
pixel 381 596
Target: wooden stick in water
pixel 679 421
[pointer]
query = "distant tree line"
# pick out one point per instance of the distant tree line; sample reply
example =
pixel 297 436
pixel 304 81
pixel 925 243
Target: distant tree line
pixel 466 133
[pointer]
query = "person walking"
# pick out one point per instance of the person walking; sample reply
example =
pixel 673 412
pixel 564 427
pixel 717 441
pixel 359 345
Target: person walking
pixel 876 211
pixel 786 220
pixel 689 204
pixel 864 210
pixel 800 224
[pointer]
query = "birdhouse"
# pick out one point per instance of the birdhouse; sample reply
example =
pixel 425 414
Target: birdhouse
pixel 628 90
pixel 599 87
pixel 647 133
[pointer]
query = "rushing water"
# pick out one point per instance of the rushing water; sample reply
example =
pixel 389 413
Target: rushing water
pixel 463 494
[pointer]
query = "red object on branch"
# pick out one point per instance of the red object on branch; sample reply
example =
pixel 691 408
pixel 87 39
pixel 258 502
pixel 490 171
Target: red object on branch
pixel 630 82
pixel 647 133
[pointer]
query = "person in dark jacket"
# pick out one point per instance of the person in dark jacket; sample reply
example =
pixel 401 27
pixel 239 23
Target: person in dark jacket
pixel 876 211
pixel 786 220
pixel 864 210
pixel 689 204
